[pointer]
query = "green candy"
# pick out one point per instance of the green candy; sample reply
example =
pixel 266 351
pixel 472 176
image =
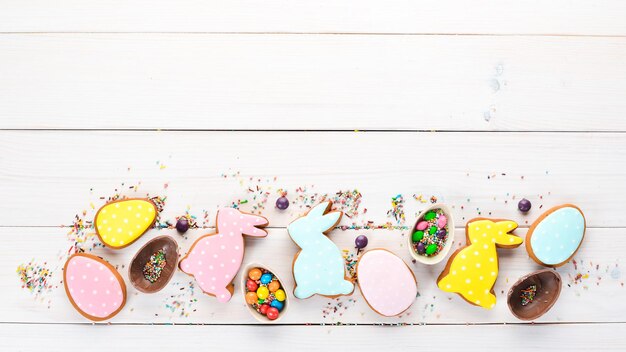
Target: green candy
pixel 417 236
pixel 430 215
pixel 432 230
pixel 432 248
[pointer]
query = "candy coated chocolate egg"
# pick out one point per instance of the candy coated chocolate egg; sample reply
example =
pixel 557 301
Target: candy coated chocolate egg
pixel 251 297
pixel 441 233
pixel 273 286
pixel 431 248
pixel 93 286
pixel 417 236
pixel 432 230
pixel 422 225
pixel 282 203
pixel 554 238
pixel 251 285
pixel 263 308
pixel 524 205
pixel 262 292
pixel 442 221
pixel 120 223
pixel 430 215
pixel 255 274
pixel 386 282
pixel 266 278
pixel 277 304
pixel 280 295
pixel 360 242
pixel 421 249
pixel 182 225
pixel 272 313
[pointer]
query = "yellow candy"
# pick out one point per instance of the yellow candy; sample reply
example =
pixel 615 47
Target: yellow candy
pixel 262 292
pixel 120 223
pixel 280 295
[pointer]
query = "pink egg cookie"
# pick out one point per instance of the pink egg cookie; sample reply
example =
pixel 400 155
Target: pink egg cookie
pixel 386 282
pixel 94 287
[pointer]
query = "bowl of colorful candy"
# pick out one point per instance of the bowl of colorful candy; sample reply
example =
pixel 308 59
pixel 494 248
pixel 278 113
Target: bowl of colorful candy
pixel 431 237
pixel 265 296
pixel 154 264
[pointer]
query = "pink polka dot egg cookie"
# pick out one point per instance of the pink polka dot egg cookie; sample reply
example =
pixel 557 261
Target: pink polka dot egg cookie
pixel 264 293
pixel 432 235
pixel 93 286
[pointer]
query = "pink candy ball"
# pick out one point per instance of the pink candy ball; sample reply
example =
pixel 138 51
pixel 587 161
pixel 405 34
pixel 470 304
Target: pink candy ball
pixel 422 225
pixel 442 221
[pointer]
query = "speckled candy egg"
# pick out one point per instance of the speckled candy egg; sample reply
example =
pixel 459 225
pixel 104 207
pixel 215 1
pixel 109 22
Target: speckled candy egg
pixel 386 282
pixel 555 237
pixel 94 287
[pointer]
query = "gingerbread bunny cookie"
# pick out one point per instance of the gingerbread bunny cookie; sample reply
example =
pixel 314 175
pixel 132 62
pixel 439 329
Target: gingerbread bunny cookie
pixel 215 259
pixel 319 268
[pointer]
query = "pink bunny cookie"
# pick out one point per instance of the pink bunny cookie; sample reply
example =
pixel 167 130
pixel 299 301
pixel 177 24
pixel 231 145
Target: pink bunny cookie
pixel 215 259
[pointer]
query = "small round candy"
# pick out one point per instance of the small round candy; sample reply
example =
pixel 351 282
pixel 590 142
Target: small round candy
pixel 277 304
pixel 266 278
pixel 524 205
pixel 264 308
pixel 280 295
pixel 262 292
pixel 417 236
pixel 432 248
pixel 255 274
pixel 441 233
pixel 360 242
pixel 251 297
pixel 251 285
pixel 182 225
pixel 422 225
pixel 282 203
pixel 430 215
pixel 432 230
pixel 273 286
pixel 421 249
pixel 272 313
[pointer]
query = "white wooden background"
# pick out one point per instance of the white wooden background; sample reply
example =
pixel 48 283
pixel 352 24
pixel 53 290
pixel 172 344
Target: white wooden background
pixel 478 103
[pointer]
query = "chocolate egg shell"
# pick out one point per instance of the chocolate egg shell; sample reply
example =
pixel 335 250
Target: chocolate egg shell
pixel 93 286
pixel 135 270
pixel 556 235
pixel 258 316
pixel 447 245
pixel 548 283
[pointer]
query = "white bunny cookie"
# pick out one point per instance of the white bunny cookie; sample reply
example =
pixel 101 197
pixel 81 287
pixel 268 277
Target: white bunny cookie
pixel 319 268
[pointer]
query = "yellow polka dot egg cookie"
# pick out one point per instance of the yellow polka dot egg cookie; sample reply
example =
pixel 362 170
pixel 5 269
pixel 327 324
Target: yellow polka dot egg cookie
pixel 120 223
pixel 472 271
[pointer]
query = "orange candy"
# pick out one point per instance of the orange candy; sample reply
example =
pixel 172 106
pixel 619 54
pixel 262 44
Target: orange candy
pixel 273 286
pixel 251 298
pixel 255 274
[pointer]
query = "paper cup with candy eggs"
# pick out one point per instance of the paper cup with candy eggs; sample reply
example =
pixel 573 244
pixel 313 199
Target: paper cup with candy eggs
pixel 432 234
pixel 264 293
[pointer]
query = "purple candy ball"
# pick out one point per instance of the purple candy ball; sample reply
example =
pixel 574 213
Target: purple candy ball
pixel 421 249
pixel 441 233
pixel 360 242
pixel 282 203
pixel 182 225
pixel 524 205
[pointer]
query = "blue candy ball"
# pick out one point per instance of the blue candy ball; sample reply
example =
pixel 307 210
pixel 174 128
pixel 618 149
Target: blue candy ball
pixel 277 304
pixel 266 279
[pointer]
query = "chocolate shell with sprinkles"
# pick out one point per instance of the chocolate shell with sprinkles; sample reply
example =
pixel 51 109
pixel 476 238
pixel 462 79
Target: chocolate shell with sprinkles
pixel 154 264
pixel 533 295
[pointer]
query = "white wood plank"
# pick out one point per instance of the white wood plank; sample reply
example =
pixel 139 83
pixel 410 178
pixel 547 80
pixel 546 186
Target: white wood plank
pixel 595 297
pixel 325 16
pixel 304 82
pixel 51 176
pixel 583 337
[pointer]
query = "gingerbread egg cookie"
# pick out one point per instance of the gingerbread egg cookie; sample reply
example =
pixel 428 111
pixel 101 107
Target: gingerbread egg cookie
pixel 93 286
pixel 472 271
pixel 120 223
pixel 555 236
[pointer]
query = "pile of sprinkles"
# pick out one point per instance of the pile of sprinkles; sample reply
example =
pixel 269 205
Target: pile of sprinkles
pixel 397 209
pixel 35 278
pixel 154 267
pixel 527 295
pixel 430 233
pixel 265 293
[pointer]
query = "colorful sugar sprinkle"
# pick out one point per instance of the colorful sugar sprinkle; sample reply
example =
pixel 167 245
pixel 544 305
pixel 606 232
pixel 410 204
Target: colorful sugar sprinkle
pixel 35 278
pixel 154 267
pixel 528 295
pixel 430 233
pixel 397 209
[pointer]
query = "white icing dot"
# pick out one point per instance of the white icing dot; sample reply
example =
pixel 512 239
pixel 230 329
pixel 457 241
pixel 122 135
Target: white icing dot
pixel 462 256
pixel 117 205
pixel 478 265
pixel 493 273
pixel 453 272
pixel 467 281
pixel 448 286
pixel 476 253
pixel 84 277
pixel 95 292
pixel 463 268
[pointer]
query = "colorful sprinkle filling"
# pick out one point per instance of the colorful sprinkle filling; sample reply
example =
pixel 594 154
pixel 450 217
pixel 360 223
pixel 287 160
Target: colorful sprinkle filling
pixel 154 267
pixel 264 293
pixel 528 295
pixel 430 233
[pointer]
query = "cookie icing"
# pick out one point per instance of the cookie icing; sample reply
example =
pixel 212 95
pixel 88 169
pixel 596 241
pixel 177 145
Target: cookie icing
pixel 215 259
pixel 120 223
pixel 386 282
pixel 472 271
pixel 93 286
pixel 319 268
pixel 556 235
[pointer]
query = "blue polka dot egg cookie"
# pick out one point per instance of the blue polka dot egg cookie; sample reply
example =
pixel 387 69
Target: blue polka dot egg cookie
pixel 556 236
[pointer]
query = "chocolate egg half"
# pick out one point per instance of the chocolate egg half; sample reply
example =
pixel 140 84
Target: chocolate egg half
pixel 94 287
pixel 554 238
pixel 534 294
pixel 154 264
pixel 386 282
